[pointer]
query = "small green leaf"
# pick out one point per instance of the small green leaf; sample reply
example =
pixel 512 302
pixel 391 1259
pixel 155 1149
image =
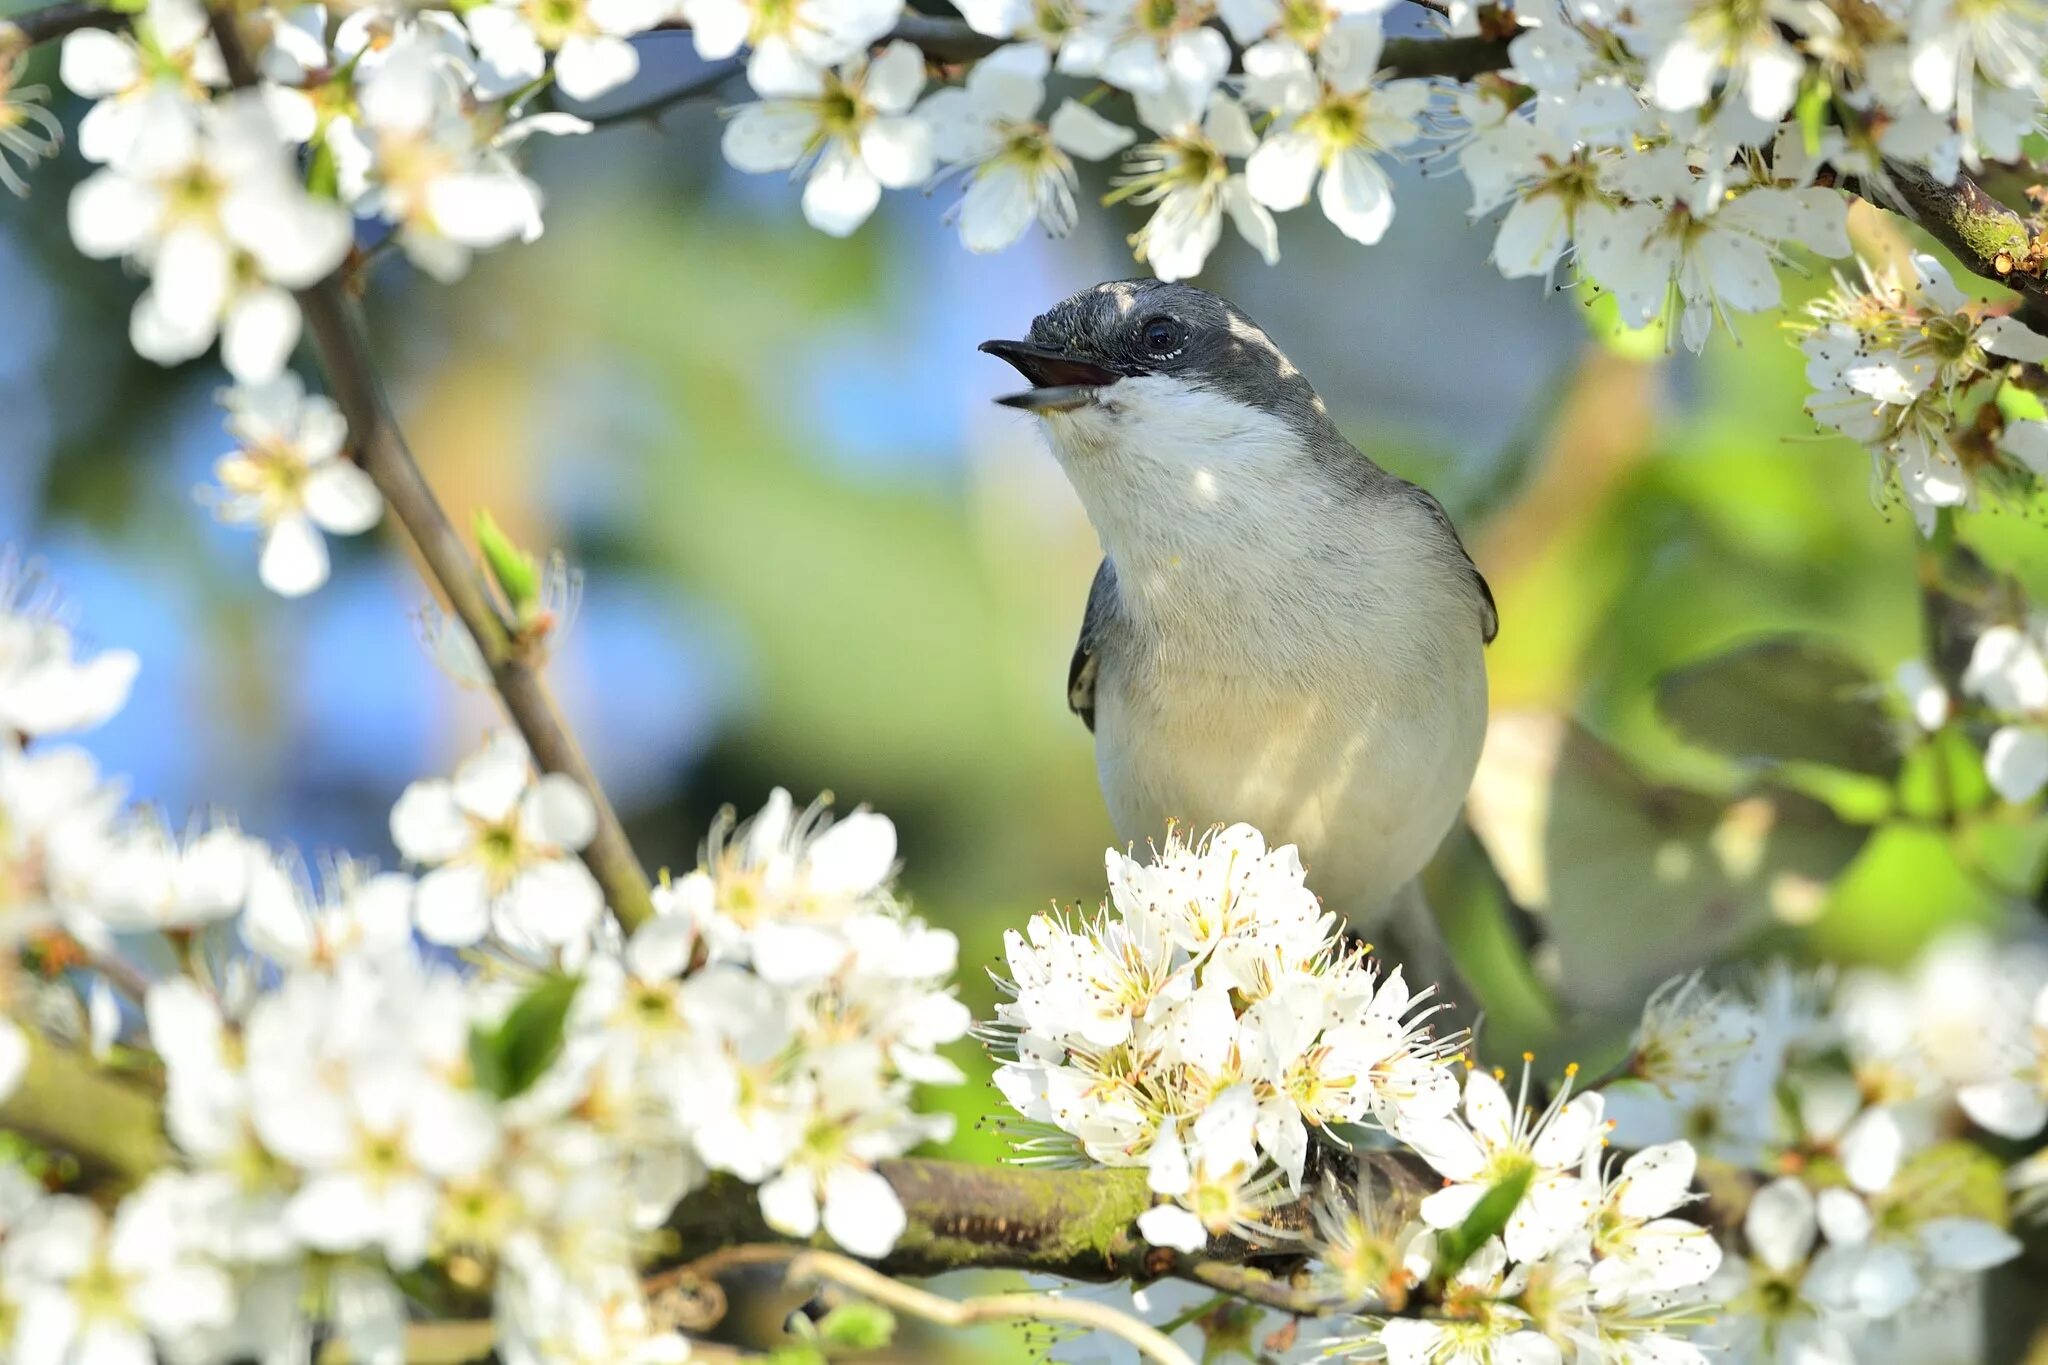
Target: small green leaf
pixel 1812 111
pixel 858 1327
pixel 517 576
pixel 128 6
pixel 323 175
pixel 1488 1217
pixel 508 1059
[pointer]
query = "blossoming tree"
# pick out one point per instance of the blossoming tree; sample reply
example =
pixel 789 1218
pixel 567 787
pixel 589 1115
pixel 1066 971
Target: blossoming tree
pixel 519 1098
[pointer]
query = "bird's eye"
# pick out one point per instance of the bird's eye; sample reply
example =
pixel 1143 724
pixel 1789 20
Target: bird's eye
pixel 1163 336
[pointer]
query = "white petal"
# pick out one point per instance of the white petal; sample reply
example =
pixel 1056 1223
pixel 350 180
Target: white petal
pixel 1967 1244
pixel 95 63
pixel 294 558
pixel 895 78
pixel 551 904
pixel 1682 76
pixel 998 208
pixel 862 1212
pixel 340 498
pixel 2010 337
pixel 1282 171
pixel 427 824
pixel 841 192
pixel 2016 761
pixel 491 781
pixel 588 67
pixel 453 906
pixel 1780 1224
pixel 1252 221
pixel 112 214
pixel 556 810
pixel 1080 130
pixel 790 1204
pixel 14 1054
pixel 768 135
pixel 898 151
pixel 1356 197
pixel 1170 1225
pixel 257 338
pixel 190 276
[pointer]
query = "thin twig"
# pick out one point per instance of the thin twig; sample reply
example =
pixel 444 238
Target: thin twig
pixel 1257 1286
pixel 54 21
pixel 382 451
pixel 918 1303
pixel 650 109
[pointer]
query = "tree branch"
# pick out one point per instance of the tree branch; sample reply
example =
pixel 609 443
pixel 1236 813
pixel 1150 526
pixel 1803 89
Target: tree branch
pixel 382 452
pixel 54 21
pixel 68 1105
pixel 1988 237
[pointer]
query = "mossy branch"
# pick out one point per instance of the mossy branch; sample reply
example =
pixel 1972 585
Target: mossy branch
pixel 66 1104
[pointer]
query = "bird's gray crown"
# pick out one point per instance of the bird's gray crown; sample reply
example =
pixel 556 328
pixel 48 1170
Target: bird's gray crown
pixel 1150 327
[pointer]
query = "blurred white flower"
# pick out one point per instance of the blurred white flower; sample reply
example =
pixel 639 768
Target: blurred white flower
pixel 289 479
pixel 1018 169
pixel 206 199
pixel 167 58
pixel 1149 47
pixel 1213 1178
pixel 1640 1248
pixel 1500 1138
pixel 1696 45
pixel 412 155
pixel 363 912
pixel 587 37
pixel 778 891
pixel 500 843
pixel 791 40
pixel 1186 173
pixel 853 128
pixel 149 878
pixel 1334 118
pixel 45 688
pixel 28 131
pixel 88 1289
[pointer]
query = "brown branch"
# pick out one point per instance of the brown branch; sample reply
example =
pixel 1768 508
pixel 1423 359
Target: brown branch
pixel 382 451
pixel 1987 236
pixel 54 21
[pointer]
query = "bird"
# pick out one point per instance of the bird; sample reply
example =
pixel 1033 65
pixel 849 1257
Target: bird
pixel 1281 632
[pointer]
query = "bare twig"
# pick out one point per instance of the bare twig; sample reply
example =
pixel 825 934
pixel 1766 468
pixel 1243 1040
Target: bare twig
pixel 649 110
pixel 919 1303
pixel 381 449
pixel 54 21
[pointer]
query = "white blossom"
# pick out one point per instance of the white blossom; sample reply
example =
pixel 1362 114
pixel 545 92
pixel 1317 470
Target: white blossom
pixel 1185 174
pixel 1018 169
pixel 500 844
pixel 289 478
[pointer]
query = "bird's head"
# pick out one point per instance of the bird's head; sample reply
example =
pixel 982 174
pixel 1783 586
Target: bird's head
pixel 1163 367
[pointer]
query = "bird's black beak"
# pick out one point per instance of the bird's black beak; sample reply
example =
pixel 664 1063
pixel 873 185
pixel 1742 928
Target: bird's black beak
pixel 1060 382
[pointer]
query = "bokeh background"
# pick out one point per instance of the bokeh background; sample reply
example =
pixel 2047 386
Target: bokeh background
pixel 814 554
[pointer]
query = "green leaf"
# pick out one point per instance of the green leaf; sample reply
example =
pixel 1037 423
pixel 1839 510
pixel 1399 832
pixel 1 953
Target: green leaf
pixel 858 1326
pixel 1487 1219
pixel 1812 112
pixel 515 571
pixel 508 1059
pixel 323 175
pixel 1784 699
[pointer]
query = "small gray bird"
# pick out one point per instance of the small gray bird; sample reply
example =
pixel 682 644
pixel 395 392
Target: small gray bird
pixel 1281 631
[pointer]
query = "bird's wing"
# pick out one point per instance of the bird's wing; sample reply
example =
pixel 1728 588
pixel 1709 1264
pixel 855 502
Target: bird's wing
pixel 1489 614
pixel 1094 622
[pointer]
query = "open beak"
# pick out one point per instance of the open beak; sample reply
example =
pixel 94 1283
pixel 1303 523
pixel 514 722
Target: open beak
pixel 1060 383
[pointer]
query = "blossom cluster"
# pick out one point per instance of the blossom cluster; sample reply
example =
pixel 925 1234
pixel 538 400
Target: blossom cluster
pixel 350 1106
pixel 1840 1096
pixel 1902 362
pixel 1209 1026
pixel 1676 152
pixel 1676 143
